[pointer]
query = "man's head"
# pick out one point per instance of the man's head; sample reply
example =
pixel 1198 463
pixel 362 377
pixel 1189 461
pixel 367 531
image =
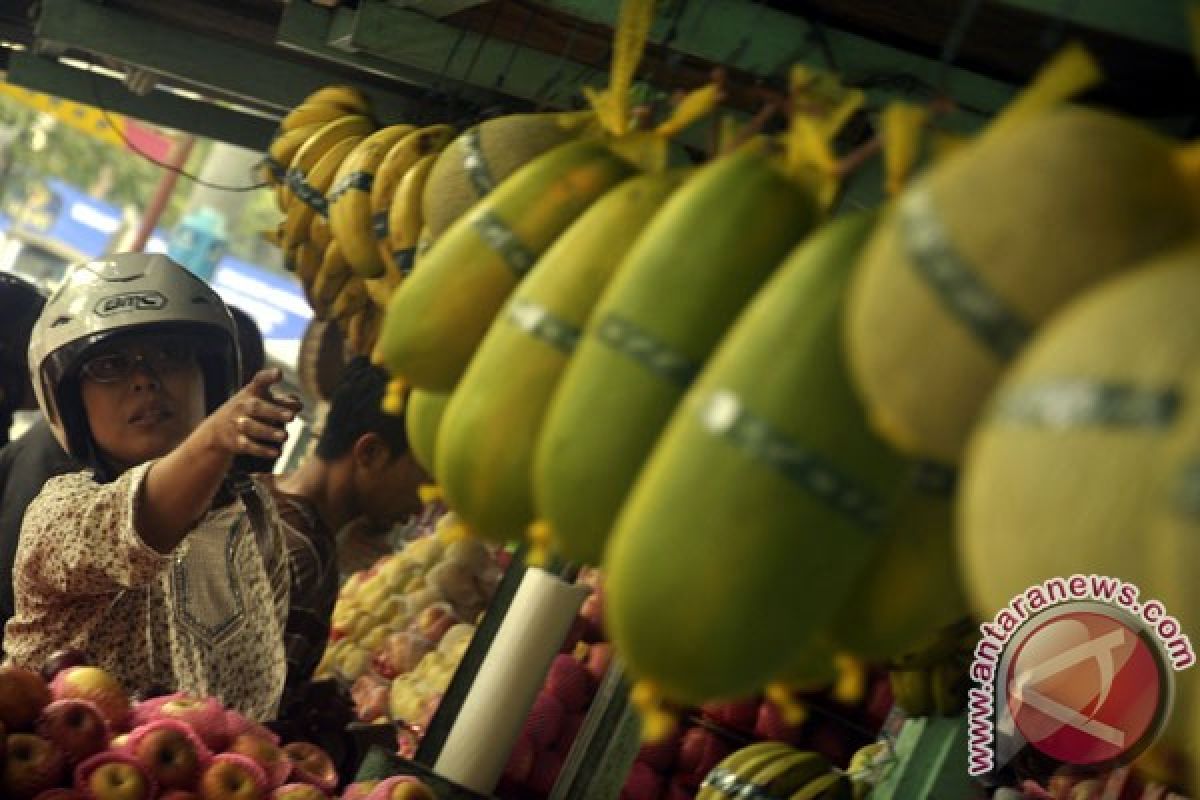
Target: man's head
pixel 371 446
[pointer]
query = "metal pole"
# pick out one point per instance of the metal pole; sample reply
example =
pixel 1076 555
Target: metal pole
pixel 158 203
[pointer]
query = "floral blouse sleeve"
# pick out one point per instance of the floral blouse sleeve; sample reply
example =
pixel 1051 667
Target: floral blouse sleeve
pixel 78 537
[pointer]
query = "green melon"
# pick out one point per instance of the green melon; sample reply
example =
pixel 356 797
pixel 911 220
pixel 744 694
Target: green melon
pixel 1078 463
pixel 983 248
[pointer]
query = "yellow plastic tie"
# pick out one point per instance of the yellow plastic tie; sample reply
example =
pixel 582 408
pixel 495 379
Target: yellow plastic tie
pixel 695 105
pixel 902 123
pixel 794 713
pixel 430 493
pixel 851 684
pixel 393 397
pixel 454 533
pixel 539 537
pixel 657 721
pixel 580 653
pixel 1187 161
pixel 1071 71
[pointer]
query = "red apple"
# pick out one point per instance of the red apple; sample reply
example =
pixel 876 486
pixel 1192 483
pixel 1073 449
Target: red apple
pixel 770 724
pixel 571 726
pixel 599 656
pixel 359 790
pixel 23 695
pixel 699 751
pixel 93 683
pixel 643 783
pixel 60 660
pixel 545 772
pixel 76 726
pixel 662 755
pixel 170 752
pixel 114 776
pixel 268 755
pixel 311 764
pixel 544 721
pixel 298 791
pixel 179 794
pixel 520 762
pixel 32 765
pixel 236 724
pixel 678 791
pixel 569 681
pixel 739 715
pixel 62 794
pixel 204 714
pixel 401 787
pixel 231 776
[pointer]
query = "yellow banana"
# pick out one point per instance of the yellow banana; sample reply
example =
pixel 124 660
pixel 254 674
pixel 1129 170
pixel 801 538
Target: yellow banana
pixel 788 774
pixel 331 277
pixel 308 189
pixel 345 97
pixel 830 786
pixel 726 779
pixel 318 230
pixel 350 300
pixel 317 145
pixel 273 169
pixel 350 200
pixel 307 258
pixel 398 162
pixel 381 288
pixel 311 113
pixel 404 223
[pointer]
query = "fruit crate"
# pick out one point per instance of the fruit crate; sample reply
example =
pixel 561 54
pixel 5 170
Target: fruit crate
pixel 380 762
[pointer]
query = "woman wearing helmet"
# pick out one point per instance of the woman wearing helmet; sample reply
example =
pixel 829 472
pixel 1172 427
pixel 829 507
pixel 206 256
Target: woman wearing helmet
pixel 144 561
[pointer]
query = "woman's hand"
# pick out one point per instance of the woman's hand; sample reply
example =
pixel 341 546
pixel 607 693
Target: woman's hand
pixel 253 422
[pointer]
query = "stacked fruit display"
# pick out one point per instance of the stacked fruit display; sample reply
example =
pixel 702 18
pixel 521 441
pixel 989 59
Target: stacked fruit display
pixel 400 628
pixel 79 736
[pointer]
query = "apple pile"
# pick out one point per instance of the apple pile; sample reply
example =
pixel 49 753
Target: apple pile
pixel 400 628
pixel 72 733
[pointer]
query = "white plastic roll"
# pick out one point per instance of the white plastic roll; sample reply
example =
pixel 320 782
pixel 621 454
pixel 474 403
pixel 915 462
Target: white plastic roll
pixel 487 726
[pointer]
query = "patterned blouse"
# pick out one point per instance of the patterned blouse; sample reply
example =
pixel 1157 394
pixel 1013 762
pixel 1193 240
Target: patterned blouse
pixel 207 618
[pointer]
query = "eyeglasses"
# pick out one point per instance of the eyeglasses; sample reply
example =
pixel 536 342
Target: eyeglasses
pixel 118 365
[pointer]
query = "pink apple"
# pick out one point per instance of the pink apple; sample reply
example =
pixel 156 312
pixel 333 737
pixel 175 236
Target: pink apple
pixel 93 683
pixel 433 621
pixel 113 776
pixel 170 751
pixel 32 764
pixel 231 776
pixel 298 791
pixel 401 652
pixel 76 726
pixel 370 696
pixel 401 787
pixel 268 755
pixel 311 764
pixel 23 695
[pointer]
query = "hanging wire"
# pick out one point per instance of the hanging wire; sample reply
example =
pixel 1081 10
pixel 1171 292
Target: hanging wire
pixel 1056 32
pixel 518 45
pixel 740 50
pixel 543 93
pixel 953 43
pixel 112 123
pixel 484 39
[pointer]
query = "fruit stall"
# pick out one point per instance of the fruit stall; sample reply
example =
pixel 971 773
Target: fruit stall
pixel 766 356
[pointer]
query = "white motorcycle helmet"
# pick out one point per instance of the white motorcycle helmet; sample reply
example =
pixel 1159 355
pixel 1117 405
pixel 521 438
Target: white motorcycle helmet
pixel 124 295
